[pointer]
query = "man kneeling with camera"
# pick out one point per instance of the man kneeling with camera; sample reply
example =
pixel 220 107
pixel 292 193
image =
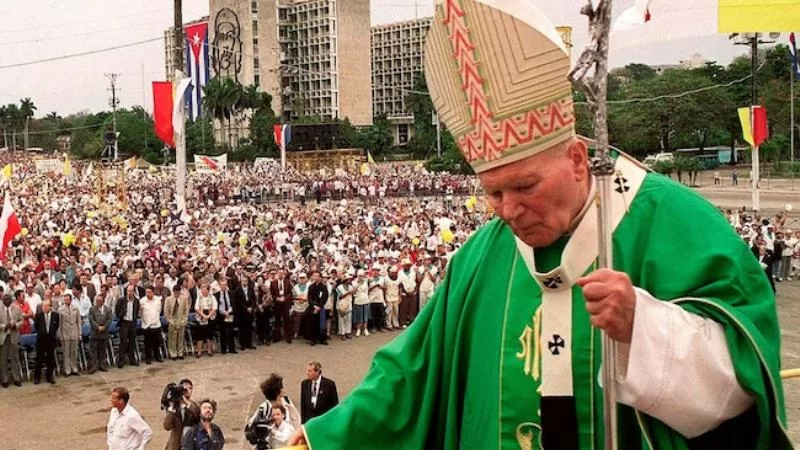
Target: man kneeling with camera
pixel 182 412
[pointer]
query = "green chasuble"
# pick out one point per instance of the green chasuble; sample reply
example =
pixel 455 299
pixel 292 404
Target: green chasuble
pixel 468 373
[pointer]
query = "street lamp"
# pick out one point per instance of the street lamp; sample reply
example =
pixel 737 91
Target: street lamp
pixel 753 39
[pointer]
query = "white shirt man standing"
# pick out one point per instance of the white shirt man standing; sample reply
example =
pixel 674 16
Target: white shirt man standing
pixel 126 429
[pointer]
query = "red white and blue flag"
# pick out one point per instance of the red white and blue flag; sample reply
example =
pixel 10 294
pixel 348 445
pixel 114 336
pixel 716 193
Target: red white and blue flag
pixel 793 53
pixel 197 66
pixel 283 135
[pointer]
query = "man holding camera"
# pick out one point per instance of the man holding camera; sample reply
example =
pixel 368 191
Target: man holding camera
pixel 181 416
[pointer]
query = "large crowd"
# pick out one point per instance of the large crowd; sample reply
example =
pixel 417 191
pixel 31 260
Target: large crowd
pixel 260 255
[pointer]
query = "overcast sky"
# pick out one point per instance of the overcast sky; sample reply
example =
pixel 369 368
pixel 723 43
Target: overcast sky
pixel 39 29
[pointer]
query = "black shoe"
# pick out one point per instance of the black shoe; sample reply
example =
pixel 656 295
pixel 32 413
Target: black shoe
pixel 224 352
pixel 5 385
pixel 148 362
pixel 159 359
pixel 180 357
pixel 312 344
pixel 103 369
pixel 18 383
pixel 135 364
pixel 233 352
pixel 92 372
pixel 76 374
pixel 51 380
pixel 323 343
pixel 37 381
pixel 252 347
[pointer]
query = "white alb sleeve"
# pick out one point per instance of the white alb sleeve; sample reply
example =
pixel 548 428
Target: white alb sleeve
pixel 678 369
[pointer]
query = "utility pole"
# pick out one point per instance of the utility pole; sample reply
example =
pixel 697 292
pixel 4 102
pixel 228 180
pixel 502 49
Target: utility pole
pixel 179 42
pixel 114 102
pixel 752 40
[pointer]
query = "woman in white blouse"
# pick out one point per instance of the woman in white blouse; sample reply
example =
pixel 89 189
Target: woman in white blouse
pixel 205 309
pixel 281 429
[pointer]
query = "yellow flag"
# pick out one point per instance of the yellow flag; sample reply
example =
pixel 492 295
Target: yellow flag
pixel 747 129
pixel 758 16
pixel 67 167
pixel 369 158
pixel 364 169
pixel 7 172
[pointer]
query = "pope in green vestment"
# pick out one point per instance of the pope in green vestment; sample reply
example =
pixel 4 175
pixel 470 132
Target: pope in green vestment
pixel 510 339
pixel 463 375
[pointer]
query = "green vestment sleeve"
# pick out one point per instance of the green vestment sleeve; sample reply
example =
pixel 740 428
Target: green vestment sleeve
pixel 684 249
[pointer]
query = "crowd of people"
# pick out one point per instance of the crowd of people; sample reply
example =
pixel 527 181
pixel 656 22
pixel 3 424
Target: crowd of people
pixel 101 259
pixel 772 241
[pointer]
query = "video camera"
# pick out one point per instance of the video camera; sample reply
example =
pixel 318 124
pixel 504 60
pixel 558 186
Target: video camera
pixel 173 393
pixel 257 433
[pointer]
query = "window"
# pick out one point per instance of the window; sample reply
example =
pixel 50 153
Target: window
pixel 254 6
pixel 257 79
pixel 402 133
pixel 255 27
pixel 256 63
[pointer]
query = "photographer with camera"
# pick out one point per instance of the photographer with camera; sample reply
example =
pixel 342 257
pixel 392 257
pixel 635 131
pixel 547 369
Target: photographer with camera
pixel 261 427
pixel 182 412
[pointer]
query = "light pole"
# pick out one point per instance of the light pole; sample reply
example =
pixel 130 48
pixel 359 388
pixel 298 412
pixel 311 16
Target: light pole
pixel 752 40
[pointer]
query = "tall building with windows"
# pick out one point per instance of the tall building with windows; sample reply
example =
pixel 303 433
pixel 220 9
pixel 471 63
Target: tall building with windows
pixel 397 60
pixel 308 54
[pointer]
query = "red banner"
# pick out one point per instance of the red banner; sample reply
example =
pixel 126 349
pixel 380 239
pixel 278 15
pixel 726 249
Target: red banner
pixel 162 112
pixel 760 126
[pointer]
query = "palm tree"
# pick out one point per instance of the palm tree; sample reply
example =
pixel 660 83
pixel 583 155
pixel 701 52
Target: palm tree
pixel 26 109
pixel 4 119
pixel 53 116
pixel 213 101
pixel 14 120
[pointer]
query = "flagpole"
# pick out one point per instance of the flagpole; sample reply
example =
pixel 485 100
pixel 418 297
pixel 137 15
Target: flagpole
pixel 791 114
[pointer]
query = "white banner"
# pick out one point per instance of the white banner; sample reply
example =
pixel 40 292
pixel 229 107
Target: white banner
pixel 210 164
pixel 49 165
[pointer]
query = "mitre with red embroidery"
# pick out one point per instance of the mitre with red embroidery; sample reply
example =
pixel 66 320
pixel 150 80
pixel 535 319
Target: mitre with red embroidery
pixel 497 74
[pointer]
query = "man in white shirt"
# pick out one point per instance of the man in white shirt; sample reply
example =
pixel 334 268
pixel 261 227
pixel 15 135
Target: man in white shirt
pixel 151 324
pixel 126 428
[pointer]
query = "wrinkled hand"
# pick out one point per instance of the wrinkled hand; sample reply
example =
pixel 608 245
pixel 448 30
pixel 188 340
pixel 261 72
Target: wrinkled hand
pixel 611 302
pixel 298 438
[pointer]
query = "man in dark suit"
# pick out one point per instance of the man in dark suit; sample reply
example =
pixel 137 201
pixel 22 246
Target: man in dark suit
pixel 246 299
pixel 317 297
pixel 127 313
pixel 281 290
pixel 46 324
pixel 226 315
pixel 99 320
pixel 317 394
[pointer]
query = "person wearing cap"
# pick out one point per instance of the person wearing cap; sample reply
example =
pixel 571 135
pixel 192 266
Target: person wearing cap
pixel 361 304
pixel 344 305
pixel 392 296
pixel 507 354
pixel 408 293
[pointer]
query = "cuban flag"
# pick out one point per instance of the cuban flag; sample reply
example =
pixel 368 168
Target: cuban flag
pixel 793 53
pixel 197 66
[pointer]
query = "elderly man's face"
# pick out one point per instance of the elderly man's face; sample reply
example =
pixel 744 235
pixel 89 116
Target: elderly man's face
pixel 538 197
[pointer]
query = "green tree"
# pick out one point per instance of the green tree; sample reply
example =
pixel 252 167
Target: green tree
pixel 376 138
pixel 26 109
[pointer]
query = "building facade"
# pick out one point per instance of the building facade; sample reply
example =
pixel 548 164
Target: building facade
pixel 296 51
pixel 398 58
